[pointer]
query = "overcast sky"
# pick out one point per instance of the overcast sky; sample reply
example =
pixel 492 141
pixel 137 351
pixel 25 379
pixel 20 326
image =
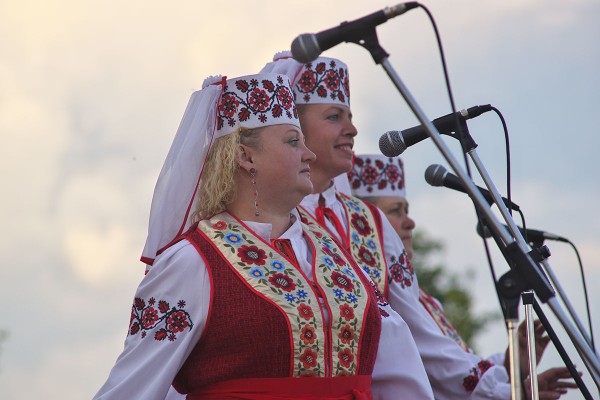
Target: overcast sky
pixel 91 94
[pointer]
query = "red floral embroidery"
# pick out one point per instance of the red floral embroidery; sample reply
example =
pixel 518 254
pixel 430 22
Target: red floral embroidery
pixel 285 98
pixel 309 358
pixel 323 81
pixel 392 175
pixel 139 304
pixel 259 99
pixel 332 80
pixel 402 271
pixel 229 105
pixel 163 306
pixel 305 311
pixel 161 334
pixel 308 334
pixel 135 328
pixel 219 225
pixel 346 312
pixel 277 111
pixel 471 381
pixel 242 85
pixel 346 357
pixel 145 318
pixel 346 334
pixel 267 84
pixel 282 281
pixel 322 92
pixel 177 321
pixel 307 81
pixel 342 281
pixel 252 255
pixel 371 173
pixel 336 257
pixel 254 98
pixel 366 256
pixel 361 224
pixel 149 317
pixel 243 115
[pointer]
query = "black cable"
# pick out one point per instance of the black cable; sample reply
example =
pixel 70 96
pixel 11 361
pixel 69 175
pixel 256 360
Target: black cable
pixel 459 131
pixel 507 145
pixel 585 294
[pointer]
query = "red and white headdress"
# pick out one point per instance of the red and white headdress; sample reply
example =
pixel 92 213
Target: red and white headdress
pixel 323 81
pixel 377 175
pixel 221 107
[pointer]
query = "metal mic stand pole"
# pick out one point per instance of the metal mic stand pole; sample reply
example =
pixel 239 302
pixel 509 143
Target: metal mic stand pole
pixel 528 303
pixel 509 290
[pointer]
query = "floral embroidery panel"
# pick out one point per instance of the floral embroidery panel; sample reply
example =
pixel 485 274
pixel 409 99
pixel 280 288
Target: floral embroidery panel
pixel 166 321
pixel 271 275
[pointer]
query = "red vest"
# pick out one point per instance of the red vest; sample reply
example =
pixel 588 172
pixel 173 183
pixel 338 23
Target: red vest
pixel 264 320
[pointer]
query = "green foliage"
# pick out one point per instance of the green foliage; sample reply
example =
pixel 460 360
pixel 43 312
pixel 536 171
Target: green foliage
pixel 448 287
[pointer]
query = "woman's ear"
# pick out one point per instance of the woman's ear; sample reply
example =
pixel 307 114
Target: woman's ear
pixel 243 157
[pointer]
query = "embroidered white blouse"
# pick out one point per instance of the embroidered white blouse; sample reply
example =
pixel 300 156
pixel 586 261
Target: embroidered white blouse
pixel 146 368
pixel 446 363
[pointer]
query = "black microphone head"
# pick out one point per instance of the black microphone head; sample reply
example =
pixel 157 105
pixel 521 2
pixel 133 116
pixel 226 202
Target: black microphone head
pixel 391 144
pixel 305 48
pixel 434 175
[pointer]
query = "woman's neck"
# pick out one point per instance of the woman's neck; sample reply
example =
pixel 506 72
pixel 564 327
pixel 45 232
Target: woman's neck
pixel 321 182
pixel 279 220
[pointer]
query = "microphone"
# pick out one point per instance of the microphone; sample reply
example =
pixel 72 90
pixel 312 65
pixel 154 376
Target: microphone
pixel 308 46
pixel 393 143
pixel 531 235
pixel 436 175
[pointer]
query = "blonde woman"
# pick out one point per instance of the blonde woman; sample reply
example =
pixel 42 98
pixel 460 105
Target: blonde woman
pixel 242 300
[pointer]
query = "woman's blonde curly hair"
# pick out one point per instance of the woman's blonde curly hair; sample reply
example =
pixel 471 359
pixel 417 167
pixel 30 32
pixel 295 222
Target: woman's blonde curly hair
pixel 217 186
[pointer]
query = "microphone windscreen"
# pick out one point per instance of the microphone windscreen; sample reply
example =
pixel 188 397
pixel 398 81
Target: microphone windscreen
pixel 305 48
pixel 434 175
pixel 391 144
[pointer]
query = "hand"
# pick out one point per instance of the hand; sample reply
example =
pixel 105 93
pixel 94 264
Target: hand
pixel 550 385
pixel 541 342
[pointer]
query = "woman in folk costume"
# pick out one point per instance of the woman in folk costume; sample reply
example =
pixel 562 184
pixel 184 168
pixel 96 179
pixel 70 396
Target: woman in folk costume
pixel 321 92
pixel 381 181
pixel 246 302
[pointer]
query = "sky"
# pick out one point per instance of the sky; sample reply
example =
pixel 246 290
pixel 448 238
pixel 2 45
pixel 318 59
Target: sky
pixel 91 94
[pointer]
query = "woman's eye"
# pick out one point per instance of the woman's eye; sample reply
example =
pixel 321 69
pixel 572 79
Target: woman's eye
pixel 294 142
pixel 334 117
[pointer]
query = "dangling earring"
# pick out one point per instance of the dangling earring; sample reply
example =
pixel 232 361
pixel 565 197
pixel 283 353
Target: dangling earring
pixel 253 175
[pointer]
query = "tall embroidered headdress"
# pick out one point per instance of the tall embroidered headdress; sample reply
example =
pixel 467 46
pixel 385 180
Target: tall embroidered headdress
pixel 377 175
pixel 221 107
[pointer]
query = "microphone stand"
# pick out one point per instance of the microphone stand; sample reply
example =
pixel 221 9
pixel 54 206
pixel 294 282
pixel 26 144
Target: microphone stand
pixel 584 349
pixel 514 229
pixel 516 251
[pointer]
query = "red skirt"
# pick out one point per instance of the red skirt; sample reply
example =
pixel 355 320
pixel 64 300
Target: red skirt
pixel 339 388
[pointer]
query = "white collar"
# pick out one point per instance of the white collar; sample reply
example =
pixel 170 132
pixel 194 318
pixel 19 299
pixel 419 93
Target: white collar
pixel 264 229
pixel 329 195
